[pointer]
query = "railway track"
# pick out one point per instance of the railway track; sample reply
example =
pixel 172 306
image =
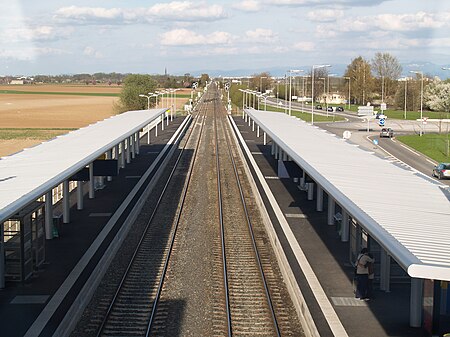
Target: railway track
pixel 201 268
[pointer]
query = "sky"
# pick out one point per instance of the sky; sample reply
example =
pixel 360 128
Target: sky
pixel 136 36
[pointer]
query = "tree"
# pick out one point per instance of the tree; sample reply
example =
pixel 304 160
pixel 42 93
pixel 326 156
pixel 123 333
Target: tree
pixel 133 86
pixel 260 82
pixel 436 97
pixel 412 91
pixel 203 79
pixel 388 69
pixel 361 79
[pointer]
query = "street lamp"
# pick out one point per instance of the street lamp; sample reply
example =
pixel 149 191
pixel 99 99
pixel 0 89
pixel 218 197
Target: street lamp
pixel 421 97
pixel 260 83
pixel 148 100
pixel 348 78
pixel 290 86
pixel 314 67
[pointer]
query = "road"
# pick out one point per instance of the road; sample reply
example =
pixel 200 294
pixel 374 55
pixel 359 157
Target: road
pixel 387 148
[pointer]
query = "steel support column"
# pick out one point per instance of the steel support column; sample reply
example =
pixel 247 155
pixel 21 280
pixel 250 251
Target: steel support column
pixel 331 210
pixel 385 270
pixel 66 202
pixel 319 204
pixel 345 230
pixel 310 191
pixel 127 150
pixel 2 256
pixel 137 142
pixel 108 155
pixel 132 146
pixel 91 181
pixel 415 305
pixel 122 154
pixel 265 138
pixel 257 131
pixel 49 215
pixel 80 195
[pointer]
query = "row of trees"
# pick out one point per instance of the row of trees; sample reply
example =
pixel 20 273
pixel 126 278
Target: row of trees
pixel 135 85
pixel 375 81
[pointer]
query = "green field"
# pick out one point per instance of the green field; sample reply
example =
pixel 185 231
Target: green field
pixel 307 116
pixel 435 146
pixel 29 133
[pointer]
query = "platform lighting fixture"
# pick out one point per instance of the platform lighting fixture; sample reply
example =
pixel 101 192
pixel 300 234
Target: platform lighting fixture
pixel 314 67
pixel 292 71
pixel 148 100
pixel 421 97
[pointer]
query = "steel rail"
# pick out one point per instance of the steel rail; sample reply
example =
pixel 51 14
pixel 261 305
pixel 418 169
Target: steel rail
pixel 250 228
pixel 178 217
pixel 102 326
pixel 222 228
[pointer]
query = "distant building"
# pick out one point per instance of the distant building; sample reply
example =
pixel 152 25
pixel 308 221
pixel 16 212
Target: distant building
pixel 333 99
pixel 17 82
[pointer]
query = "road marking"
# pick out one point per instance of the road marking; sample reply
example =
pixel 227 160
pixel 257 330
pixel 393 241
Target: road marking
pixel 272 178
pixel 432 162
pixel 256 153
pixel 417 154
pixel 348 302
pixel 298 216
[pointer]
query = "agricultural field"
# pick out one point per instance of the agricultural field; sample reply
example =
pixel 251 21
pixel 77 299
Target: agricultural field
pixel 30 114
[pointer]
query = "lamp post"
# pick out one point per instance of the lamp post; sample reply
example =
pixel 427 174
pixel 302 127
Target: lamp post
pixel 148 100
pixel 421 98
pixel 314 67
pixel 260 83
pixel 290 86
pixel 448 140
pixel 406 83
pixel 328 90
pixel 348 78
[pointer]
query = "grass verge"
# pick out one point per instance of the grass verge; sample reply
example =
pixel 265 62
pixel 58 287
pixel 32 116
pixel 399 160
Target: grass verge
pixel 435 146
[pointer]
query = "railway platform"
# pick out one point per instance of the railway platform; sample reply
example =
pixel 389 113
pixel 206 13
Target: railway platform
pixel 385 314
pixel 29 309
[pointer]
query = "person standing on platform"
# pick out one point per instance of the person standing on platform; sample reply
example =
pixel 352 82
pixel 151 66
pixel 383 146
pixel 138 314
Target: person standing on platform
pixel 362 274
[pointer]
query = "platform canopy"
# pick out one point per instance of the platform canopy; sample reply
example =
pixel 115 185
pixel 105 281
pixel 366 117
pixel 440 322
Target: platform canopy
pixel 405 211
pixel 30 173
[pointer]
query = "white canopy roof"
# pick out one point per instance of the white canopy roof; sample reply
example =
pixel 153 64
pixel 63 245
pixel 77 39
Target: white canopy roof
pixel 29 174
pixel 407 213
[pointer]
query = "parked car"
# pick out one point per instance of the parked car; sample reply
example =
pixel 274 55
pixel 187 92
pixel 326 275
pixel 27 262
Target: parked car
pixel 442 170
pixel 387 132
pixel 330 109
pixel 319 107
pixel 340 109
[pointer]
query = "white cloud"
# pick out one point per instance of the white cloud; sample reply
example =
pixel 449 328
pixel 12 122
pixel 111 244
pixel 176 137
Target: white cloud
pixel 261 35
pixel 396 22
pixel 297 3
pixel 91 52
pixel 39 33
pixel 184 37
pixel 304 46
pixel 325 15
pixel 248 5
pixel 173 11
